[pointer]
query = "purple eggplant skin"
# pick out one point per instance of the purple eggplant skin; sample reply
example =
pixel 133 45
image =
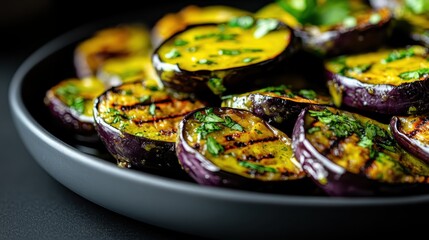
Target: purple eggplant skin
pixel 134 151
pixel 185 81
pixel 347 41
pixel 410 144
pixel 405 99
pixel 337 181
pixel 68 118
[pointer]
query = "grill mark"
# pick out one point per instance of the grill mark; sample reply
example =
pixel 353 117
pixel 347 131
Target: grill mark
pixel 251 142
pixel 254 159
pixel 418 127
pixel 367 165
pixel 140 122
pixel 168 132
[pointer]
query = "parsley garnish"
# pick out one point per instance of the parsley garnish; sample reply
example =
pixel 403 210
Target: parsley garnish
pixel 307 93
pixel 313 130
pixel 415 74
pixel 216 85
pixel 249 59
pixel 174 53
pixel 152 109
pixel 213 146
pixel 257 167
pixel 244 22
pixel 231 52
pixel 398 54
pixel 375 18
pixel 206 61
pixel 264 26
pixel 70 93
pixel 144 98
pixel 212 122
pixel 219 36
pixel 232 124
pixel 180 42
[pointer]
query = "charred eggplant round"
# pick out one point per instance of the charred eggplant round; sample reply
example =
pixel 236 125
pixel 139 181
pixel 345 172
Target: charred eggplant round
pixel 71 102
pixel 117 71
pixel 138 125
pixel 412 133
pixel 115 42
pixel 348 154
pixel 171 23
pixel 235 148
pixel 331 28
pixel 389 81
pixel 278 105
pixel 215 57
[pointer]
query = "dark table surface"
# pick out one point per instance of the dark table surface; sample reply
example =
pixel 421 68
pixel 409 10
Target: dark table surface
pixel 33 205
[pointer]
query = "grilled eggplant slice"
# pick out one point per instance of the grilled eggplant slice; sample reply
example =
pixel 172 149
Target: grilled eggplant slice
pixel 138 125
pixel 71 102
pixel 235 148
pixel 349 154
pixel 412 17
pixel 334 27
pixel 412 133
pixel 279 105
pixel 117 71
pixel 389 81
pixel 115 42
pixel 214 57
pixel 171 23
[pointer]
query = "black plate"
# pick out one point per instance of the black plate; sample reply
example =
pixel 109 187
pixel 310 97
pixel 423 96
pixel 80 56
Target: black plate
pixel 177 202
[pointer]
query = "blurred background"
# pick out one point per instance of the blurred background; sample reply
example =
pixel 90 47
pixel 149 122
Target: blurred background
pixel 27 24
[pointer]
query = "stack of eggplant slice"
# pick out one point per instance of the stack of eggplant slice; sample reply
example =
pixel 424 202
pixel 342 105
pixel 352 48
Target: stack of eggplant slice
pixel 215 101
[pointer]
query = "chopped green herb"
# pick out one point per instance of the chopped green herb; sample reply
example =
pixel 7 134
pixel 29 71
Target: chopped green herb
pixel 257 167
pixel 127 92
pixel 313 130
pixel 415 74
pixel 78 104
pixel 180 42
pixel 264 26
pixel 244 22
pixel 216 85
pixel 232 124
pixel 249 59
pixel 280 90
pixel 206 61
pixel 417 6
pixel 144 98
pixel 152 88
pixel 375 18
pixel 355 69
pixel 309 94
pixel 117 115
pixel 68 89
pixel 398 54
pixel 349 22
pixel 252 50
pixel 192 49
pixel 213 146
pixel 300 9
pixel 219 36
pixel 258 131
pixel 204 36
pixel 206 128
pixel 152 109
pixel 174 53
pixel 225 37
pixel 211 117
pixel 231 52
